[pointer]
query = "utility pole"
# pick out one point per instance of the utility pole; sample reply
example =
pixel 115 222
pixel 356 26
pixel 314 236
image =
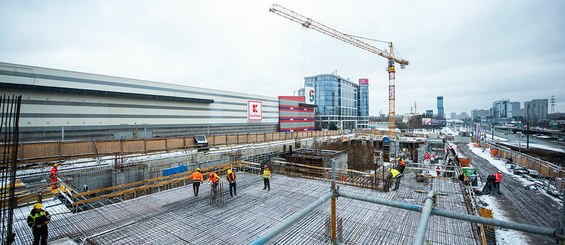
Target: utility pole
pixel 527 136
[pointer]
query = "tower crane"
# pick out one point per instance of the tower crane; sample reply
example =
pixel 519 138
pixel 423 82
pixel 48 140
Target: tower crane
pixel 314 25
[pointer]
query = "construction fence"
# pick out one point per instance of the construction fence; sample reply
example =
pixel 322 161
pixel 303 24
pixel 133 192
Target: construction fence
pixel 63 150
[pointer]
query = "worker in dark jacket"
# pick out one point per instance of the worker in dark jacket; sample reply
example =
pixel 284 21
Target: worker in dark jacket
pixel 266 178
pixel 401 164
pixel 38 220
pixel 497 179
pixel 231 181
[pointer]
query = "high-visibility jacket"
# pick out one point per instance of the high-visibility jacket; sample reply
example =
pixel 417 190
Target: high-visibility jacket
pixel 498 177
pixel 267 174
pixel 215 178
pixel 38 217
pixel 231 177
pixel 197 176
pixel 394 172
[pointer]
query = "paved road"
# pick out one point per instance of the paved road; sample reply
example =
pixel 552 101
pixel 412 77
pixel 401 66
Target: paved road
pixel 521 205
pixel 520 139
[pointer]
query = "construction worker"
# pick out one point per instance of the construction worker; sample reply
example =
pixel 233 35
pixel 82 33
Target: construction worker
pixel 53 174
pixel 395 175
pixel 214 180
pixel 402 164
pixel 497 179
pixel 438 170
pixel 38 220
pixel 197 178
pixel 231 181
pixel 266 178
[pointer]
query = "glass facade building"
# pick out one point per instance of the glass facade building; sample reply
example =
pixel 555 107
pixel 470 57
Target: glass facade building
pixel 338 102
pixel 440 112
pixel 363 98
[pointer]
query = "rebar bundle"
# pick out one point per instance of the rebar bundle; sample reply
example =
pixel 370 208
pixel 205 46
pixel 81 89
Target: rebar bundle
pixel 9 132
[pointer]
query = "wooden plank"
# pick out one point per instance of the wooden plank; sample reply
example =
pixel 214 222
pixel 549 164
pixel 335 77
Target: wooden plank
pixel 156 145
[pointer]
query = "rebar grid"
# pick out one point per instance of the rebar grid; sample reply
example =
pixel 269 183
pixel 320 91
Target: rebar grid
pixel 177 217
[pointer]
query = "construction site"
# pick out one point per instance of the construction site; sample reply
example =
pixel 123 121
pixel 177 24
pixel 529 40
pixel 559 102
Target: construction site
pixel 147 198
pixel 302 185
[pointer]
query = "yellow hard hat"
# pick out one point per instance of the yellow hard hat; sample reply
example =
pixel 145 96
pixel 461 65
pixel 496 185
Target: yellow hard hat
pixel 229 171
pixel 38 206
pixel 197 169
pixel 56 164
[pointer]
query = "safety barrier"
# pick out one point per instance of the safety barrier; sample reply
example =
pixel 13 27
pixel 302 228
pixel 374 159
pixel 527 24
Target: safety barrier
pixel 59 150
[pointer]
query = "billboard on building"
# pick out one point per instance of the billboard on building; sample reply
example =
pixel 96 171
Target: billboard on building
pixel 254 110
pixel 310 95
pixel 364 81
pixel 426 121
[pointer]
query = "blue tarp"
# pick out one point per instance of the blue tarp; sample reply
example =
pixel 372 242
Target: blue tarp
pixel 175 170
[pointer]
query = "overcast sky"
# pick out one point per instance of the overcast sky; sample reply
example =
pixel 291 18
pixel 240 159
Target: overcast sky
pixel 470 52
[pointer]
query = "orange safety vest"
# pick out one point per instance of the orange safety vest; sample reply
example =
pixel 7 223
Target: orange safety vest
pixel 197 176
pixel 402 162
pixel 231 177
pixel 214 178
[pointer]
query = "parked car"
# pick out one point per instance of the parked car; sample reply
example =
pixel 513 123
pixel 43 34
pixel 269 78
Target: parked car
pixel 519 170
pixel 535 174
pixel 553 191
pixel 527 177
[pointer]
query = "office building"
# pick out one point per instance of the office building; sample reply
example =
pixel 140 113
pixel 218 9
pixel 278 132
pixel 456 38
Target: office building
pixel 363 98
pixel 480 115
pixel 295 114
pixel 338 102
pixel 536 110
pixel 440 112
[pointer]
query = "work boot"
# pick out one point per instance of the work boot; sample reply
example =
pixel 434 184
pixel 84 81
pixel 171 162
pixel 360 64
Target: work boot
pixel 264 188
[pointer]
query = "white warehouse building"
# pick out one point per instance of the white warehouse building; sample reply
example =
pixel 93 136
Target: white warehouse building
pixel 58 104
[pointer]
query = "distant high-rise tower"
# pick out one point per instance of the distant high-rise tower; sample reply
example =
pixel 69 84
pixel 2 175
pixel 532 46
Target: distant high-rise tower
pixel 363 100
pixel 536 110
pixel 552 102
pixel 440 107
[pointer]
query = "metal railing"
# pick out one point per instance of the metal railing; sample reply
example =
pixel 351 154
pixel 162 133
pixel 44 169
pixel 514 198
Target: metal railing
pixel 426 211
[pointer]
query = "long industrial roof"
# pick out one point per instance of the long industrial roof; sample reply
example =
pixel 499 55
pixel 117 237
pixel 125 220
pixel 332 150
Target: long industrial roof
pixel 175 216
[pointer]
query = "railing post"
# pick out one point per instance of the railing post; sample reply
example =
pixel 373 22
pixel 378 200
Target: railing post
pixel 333 206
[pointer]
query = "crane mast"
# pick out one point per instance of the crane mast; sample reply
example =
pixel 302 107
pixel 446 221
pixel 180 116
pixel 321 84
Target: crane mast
pixel 314 25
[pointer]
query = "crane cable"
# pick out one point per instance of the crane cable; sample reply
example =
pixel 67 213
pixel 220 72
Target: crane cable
pixel 304 42
pixel 376 40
